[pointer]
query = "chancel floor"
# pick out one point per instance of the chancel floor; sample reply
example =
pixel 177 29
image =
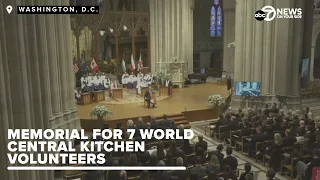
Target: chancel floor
pixel 193 97
pixel 129 96
pixel 258 169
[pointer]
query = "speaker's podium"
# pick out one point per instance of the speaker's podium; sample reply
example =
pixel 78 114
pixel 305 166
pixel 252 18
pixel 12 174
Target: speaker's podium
pixel 164 91
pixel 99 96
pixel 86 98
pixel 116 93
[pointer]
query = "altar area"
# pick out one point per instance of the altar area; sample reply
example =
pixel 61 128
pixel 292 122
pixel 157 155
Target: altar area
pixel 129 96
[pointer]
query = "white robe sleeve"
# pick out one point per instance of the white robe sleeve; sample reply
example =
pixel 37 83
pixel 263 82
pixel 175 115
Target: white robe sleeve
pixel 124 79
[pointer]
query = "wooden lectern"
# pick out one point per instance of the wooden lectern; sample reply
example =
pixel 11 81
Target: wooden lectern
pixel 163 91
pixel 99 96
pixel 86 98
pixel 117 93
pixel 143 91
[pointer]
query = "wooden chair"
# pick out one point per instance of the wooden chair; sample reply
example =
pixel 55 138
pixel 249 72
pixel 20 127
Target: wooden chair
pixel 220 134
pixel 291 167
pixel 260 144
pixel 234 136
pixel 209 127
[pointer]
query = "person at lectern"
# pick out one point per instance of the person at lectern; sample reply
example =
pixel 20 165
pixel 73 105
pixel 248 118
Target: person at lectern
pixel 147 96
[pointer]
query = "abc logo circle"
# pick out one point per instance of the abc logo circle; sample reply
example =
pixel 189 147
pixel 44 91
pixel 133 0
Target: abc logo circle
pixel 260 15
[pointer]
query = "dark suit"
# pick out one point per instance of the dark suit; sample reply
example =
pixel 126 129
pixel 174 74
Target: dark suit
pixel 230 161
pixel 147 97
pixel 201 148
pixel 220 157
pixel 288 141
pixel 302 131
pixel 153 125
pixel 243 176
pixel 199 171
pixel 162 175
pixel 245 132
pixel 181 175
pixel 259 137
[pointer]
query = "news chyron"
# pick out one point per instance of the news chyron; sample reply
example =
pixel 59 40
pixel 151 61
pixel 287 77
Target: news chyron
pixel 58 9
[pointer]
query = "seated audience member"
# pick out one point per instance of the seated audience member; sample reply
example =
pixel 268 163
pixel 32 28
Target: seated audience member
pixel 221 122
pixel 174 152
pixel 231 126
pixel 123 175
pixel 144 175
pixel 304 171
pixel 134 160
pixel 230 161
pixel 162 175
pixel 246 130
pixel 270 174
pixel 302 128
pixel 130 124
pixel 275 152
pixel 160 152
pixel 249 177
pixel 154 124
pixel 198 170
pixel 259 137
pixel 114 174
pixel 180 175
pixel 201 147
pixel 274 108
pixel 213 165
pixel 187 149
pixel 229 174
pixel 220 155
pixel 288 140
pixel 247 169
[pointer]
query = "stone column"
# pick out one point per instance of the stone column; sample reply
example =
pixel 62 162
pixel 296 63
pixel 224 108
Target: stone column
pixel 312 62
pixel 61 47
pixel 73 122
pixel 228 37
pixel 171 32
pixel 272 59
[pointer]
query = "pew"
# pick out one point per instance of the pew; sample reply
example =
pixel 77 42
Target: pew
pixel 117 93
pixel 99 96
pixel 86 98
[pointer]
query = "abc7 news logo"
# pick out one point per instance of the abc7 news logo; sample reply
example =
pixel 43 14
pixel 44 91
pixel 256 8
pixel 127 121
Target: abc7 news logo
pixel 260 15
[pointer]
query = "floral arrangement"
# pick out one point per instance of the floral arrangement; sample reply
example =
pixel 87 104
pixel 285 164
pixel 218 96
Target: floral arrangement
pixel 100 111
pixel 216 100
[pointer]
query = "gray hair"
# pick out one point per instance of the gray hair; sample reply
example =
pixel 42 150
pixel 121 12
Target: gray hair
pixel 179 161
pixel 181 127
pixel 130 122
pixel 161 163
pixel 140 119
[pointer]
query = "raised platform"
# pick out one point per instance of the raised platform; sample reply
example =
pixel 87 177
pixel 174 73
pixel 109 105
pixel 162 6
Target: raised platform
pixel 190 100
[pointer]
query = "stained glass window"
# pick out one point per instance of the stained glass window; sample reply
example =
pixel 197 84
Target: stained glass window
pixel 216 19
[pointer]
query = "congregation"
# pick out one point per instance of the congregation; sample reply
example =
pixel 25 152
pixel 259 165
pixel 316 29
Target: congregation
pixel 201 163
pixel 287 142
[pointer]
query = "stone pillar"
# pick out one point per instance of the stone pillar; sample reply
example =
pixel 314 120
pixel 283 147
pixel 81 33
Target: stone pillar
pixel 30 96
pixel 171 32
pixel 272 59
pixel 312 62
pixel 228 37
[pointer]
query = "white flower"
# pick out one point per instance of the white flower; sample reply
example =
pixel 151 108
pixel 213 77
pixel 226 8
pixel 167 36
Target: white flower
pixel 216 100
pixel 101 111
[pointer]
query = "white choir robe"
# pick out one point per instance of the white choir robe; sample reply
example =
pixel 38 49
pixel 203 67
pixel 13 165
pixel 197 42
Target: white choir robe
pixel 96 80
pixel 124 79
pixel 140 84
pixel 90 81
pixel 82 82
pixel 140 75
pixel 148 79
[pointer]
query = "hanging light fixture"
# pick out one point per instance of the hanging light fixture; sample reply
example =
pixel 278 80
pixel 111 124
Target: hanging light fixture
pixel 125 28
pixel 102 32
pixel 111 30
